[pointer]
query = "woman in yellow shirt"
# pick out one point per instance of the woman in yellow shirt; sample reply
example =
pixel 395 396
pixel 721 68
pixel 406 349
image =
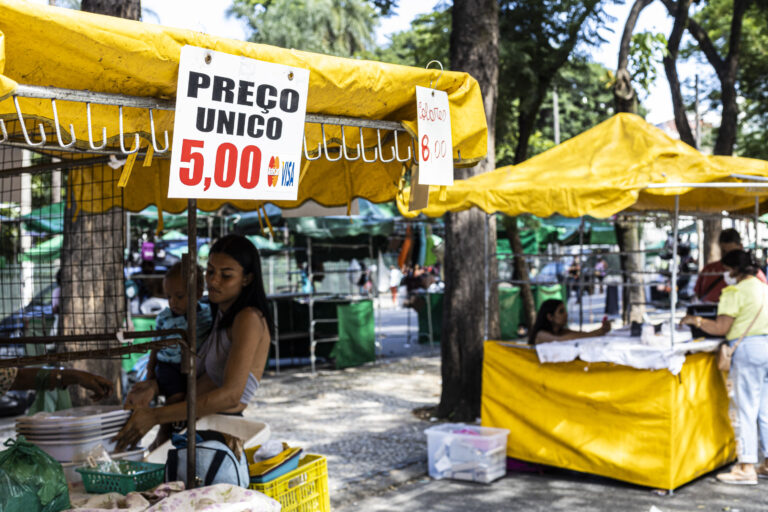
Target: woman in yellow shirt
pixel 743 310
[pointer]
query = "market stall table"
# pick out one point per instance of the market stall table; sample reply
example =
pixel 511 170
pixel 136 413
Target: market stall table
pixel 647 427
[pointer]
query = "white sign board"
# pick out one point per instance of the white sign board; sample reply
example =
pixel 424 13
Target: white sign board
pixel 435 146
pixel 238 129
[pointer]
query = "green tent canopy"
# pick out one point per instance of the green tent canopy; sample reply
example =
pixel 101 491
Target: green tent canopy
pixel 45 252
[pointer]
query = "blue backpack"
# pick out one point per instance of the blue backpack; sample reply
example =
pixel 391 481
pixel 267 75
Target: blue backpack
pixel 215 463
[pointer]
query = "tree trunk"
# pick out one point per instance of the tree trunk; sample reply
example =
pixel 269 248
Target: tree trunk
pixel 474 49
pixel 521 270
pixel 631 261
pixel 93 288
pixel 670 68
pixel 711 249
pixel 128 9
pixel 633 292
pixel 92 285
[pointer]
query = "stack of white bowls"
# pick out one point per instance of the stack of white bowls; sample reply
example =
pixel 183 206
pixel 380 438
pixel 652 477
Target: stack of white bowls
pixel 69 435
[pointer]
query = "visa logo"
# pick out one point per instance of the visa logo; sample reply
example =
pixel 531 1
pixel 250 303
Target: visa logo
pixel 287 177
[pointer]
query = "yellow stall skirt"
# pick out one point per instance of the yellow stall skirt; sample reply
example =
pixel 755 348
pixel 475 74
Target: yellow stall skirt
pixel 645 427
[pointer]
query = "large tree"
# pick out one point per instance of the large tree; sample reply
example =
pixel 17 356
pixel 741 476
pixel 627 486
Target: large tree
pixel 335 27
pixel 92 287
pixel 724 59
pixel 474 47
pixel 539 37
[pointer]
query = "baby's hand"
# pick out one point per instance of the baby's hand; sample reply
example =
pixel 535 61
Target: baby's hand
pixel 141 394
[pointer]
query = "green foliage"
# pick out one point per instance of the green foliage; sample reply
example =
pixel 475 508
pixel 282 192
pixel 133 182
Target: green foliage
pixel 428 39
pixel 537 40
pixel 334 27
pixel 752 80
pixel 646 51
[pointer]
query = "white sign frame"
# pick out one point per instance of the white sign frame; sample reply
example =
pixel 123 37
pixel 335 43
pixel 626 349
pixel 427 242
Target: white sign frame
pixel 434 144
pixel 232 112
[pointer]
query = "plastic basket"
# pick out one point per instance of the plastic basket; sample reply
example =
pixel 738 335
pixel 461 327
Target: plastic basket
pixel 145 475
pixel 305 489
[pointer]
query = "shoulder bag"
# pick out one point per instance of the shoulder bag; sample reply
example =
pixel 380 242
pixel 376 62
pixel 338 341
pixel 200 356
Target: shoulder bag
pixel 725 356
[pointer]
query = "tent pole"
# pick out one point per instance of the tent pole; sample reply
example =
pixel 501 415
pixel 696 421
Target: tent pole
pixel 579 289
pixel 757 223
pixel 673 287
pixel 191 351
pixel 486 284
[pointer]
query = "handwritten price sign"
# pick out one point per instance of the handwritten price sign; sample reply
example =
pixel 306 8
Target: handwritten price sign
pixel 238 128
pixel 435 145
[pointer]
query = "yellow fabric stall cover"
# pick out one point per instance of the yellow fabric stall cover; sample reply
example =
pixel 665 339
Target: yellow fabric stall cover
pixel 55 47
pixel 601 172
pixel 645 427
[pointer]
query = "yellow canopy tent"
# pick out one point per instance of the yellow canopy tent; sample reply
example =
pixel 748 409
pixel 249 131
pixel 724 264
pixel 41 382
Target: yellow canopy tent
pixel 62 48
pixel 603 171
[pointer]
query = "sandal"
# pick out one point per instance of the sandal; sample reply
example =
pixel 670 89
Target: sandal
pixel 762 470
pixel 738 477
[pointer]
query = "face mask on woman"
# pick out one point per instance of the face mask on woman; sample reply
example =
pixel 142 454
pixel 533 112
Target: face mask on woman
pixel 729 279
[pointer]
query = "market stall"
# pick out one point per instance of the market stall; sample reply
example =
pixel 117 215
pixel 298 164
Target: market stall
pixel 653 428
pixel 89 96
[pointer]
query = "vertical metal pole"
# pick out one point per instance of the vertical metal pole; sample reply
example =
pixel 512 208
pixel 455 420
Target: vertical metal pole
pixel 757 223
pixel 191 352
pixel 696 114
pixel 486 283
pixel 556 114
pixel 277 337
pixel 673 287
pixel 429 320
pixel 310 304
pixel 579 289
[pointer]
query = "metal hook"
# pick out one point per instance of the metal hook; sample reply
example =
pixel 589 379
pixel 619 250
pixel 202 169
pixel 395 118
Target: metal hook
pixel 344 147
pixel 306 153
pixel 154 138
pixel 381 152
pixel 90 130
pixel 397 151
pixel 438 76
pixel 58 130
pixel 2 130
pixel 325 146
pixel 24 127
pixel 362 144
pixel 122 143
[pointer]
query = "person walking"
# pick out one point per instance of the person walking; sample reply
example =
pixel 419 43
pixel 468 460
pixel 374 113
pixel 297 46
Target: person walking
pixel 742 317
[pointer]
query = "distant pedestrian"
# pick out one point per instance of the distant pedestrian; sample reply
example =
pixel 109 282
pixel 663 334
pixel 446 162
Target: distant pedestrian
pixel 395 277
pixel 601 268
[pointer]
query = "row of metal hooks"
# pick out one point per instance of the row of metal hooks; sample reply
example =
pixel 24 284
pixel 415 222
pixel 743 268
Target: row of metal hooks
pixel 332 149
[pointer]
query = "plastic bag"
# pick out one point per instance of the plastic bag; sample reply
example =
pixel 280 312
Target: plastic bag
pixel 40 482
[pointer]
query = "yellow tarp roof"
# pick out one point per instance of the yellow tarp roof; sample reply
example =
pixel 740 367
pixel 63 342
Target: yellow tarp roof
pixel 601 172
pixel 54 47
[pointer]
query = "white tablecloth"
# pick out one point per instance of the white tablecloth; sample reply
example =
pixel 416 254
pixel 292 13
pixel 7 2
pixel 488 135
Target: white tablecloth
pixel 621 348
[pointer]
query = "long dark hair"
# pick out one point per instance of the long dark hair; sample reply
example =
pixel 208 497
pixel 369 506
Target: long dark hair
pixel 742 261
pixel 245 253
pixel 548 307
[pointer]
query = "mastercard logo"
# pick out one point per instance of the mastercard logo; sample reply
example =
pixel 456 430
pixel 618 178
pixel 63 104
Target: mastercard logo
pixel 273 172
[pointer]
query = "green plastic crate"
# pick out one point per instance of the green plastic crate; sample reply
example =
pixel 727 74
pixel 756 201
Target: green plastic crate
pixel 144 476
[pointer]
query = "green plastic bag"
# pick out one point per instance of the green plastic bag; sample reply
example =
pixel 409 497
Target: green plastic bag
pixel 48 400
pixel 30 479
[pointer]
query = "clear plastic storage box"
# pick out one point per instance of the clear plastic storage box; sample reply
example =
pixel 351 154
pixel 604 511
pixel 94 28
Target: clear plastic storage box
pixel 467 452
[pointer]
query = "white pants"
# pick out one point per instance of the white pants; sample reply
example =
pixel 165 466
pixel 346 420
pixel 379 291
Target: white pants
pixel 749 372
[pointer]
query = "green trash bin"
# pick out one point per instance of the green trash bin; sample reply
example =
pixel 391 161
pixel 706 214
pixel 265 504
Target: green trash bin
pixel 436 305
pixel 357 335
pixel 510 311
pixel 139 324
pixel 544 293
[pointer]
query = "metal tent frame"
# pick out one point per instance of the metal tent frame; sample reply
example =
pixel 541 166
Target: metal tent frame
pixel 330 148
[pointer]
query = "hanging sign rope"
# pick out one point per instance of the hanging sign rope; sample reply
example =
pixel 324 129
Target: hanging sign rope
pixel 238 128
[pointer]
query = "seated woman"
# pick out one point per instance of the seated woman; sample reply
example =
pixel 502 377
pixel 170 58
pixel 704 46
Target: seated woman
pixel 552 325
pixel 232 359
